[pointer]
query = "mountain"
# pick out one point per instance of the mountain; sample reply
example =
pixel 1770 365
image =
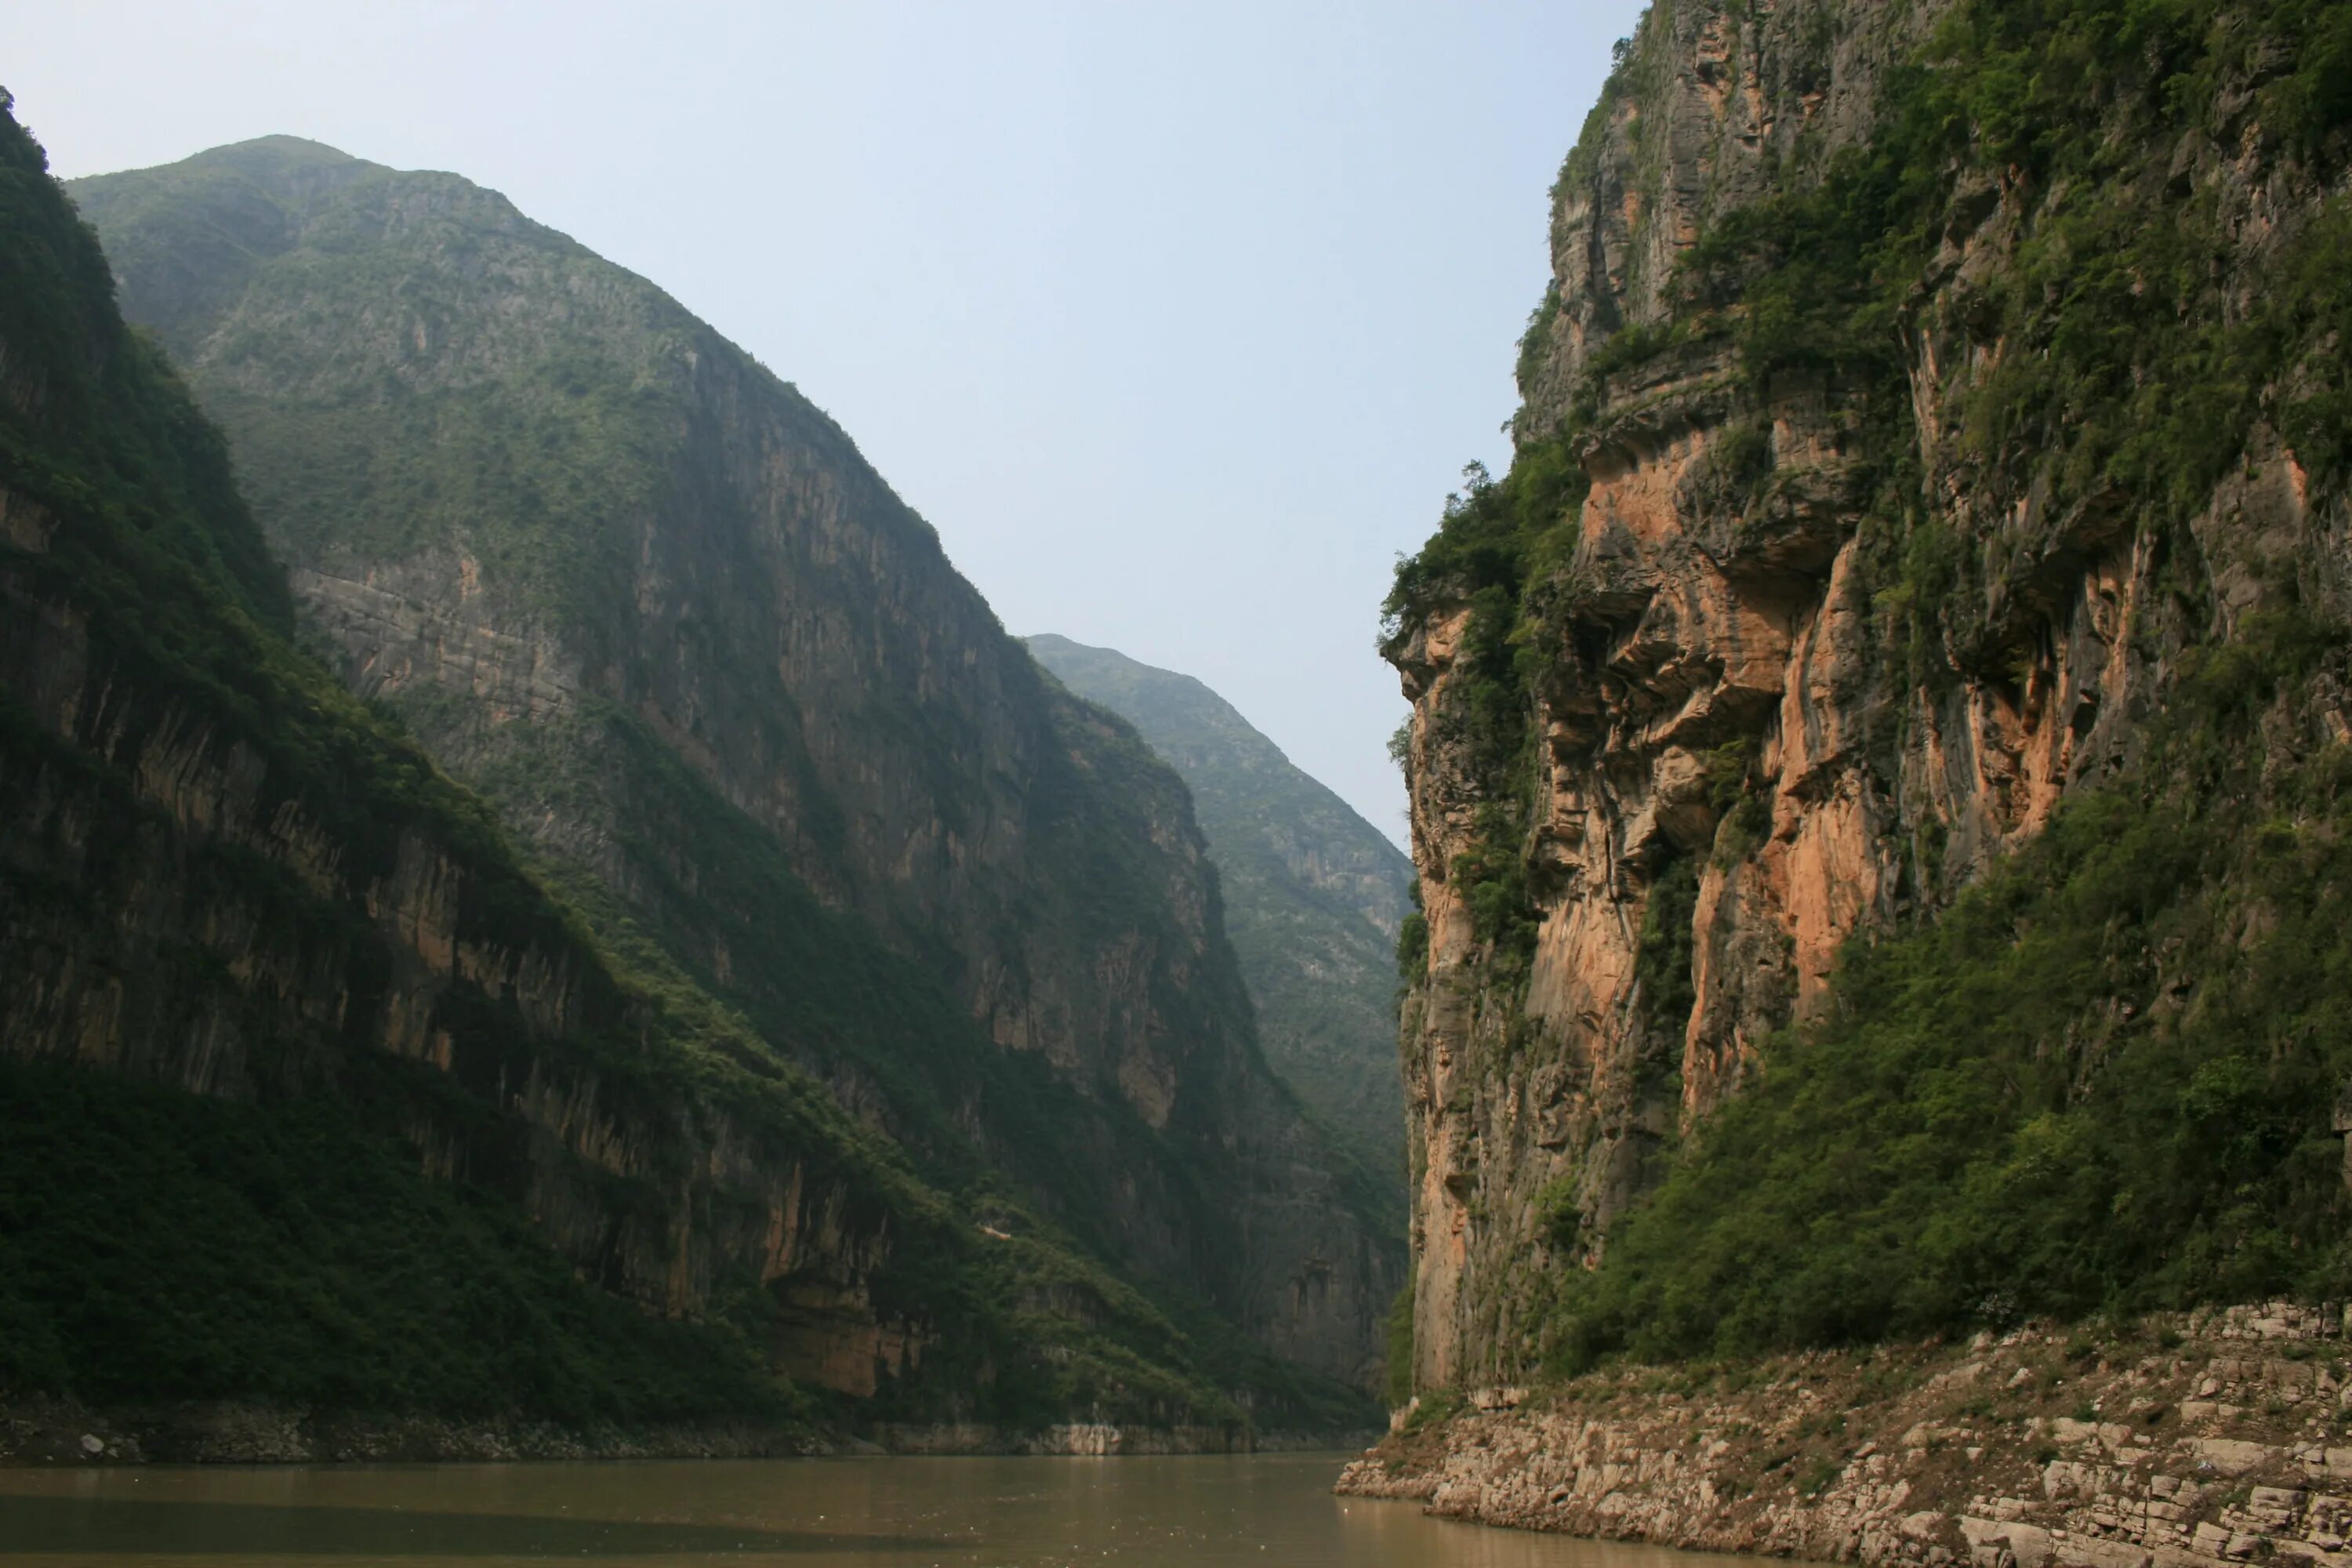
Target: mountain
pixel 314 1091
pixel 1315 896
pixel 1875 758
pixel 696 885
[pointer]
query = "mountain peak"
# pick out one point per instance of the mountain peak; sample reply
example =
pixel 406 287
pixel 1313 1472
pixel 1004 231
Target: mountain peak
pixel 282 165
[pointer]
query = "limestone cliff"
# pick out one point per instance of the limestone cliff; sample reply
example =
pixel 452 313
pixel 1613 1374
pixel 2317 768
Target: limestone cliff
pixel 1876 488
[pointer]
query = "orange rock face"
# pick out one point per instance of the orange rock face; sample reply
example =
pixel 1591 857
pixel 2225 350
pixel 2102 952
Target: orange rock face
pixel 1738 744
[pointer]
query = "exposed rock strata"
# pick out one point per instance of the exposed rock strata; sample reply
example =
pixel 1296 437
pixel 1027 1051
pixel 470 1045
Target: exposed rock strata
pixel 1692 627
pixel 1713 638
pixel 2224 1445
pixel 178 975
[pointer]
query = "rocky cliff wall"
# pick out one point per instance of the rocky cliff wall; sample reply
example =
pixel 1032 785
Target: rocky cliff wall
pixel 179 914
pixel 1314 895
pixel 1816 597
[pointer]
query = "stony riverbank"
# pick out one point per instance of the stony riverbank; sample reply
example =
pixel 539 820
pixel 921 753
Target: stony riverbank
pixel 2189 1442
pixel 58 1432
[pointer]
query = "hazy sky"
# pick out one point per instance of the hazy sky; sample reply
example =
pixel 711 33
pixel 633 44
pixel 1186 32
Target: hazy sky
pixel 1177 320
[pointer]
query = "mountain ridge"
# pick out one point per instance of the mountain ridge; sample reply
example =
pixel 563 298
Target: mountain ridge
pixel 509 473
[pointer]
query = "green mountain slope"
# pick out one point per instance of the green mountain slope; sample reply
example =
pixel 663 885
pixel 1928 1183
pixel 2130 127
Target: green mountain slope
pixel 1314 894
pixel 318 1093
pixel 652 604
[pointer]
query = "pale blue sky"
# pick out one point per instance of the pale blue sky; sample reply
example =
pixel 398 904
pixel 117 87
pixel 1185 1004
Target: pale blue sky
pixel 1177 320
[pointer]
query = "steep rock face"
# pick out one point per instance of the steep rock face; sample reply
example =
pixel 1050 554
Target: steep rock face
pixel 653 603
pixel 1314 894
pixel 1814 635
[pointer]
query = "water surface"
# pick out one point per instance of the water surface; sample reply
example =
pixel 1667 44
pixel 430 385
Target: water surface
pixel 1268 1510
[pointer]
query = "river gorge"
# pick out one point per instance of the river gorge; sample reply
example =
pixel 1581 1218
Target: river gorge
pixel 580 977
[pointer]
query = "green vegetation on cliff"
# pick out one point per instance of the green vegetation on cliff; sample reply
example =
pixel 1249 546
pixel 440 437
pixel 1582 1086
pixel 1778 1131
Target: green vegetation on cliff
pixel 157 1245
pixel 534 454
pixel 2100 1077
pixel 270 1271
pixel 2100 1082
pixel 2140 385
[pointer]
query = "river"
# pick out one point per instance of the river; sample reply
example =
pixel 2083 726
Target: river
pixel 1272 1510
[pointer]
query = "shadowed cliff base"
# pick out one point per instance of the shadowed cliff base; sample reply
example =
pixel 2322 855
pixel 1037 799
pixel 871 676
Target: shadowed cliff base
pixel 39 1432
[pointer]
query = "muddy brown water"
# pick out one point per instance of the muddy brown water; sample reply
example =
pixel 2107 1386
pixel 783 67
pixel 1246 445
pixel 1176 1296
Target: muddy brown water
pixel 1270 1511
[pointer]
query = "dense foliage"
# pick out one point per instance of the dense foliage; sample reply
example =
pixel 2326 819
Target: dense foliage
pixel 155 1247
pixel 1495 555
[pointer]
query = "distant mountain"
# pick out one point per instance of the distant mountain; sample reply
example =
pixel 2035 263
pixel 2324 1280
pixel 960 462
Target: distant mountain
pixel 726 699
pixel 1314 894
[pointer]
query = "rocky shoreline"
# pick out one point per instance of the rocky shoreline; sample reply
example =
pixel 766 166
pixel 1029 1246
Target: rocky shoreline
pixel 2183 1442
pixel 44 1432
